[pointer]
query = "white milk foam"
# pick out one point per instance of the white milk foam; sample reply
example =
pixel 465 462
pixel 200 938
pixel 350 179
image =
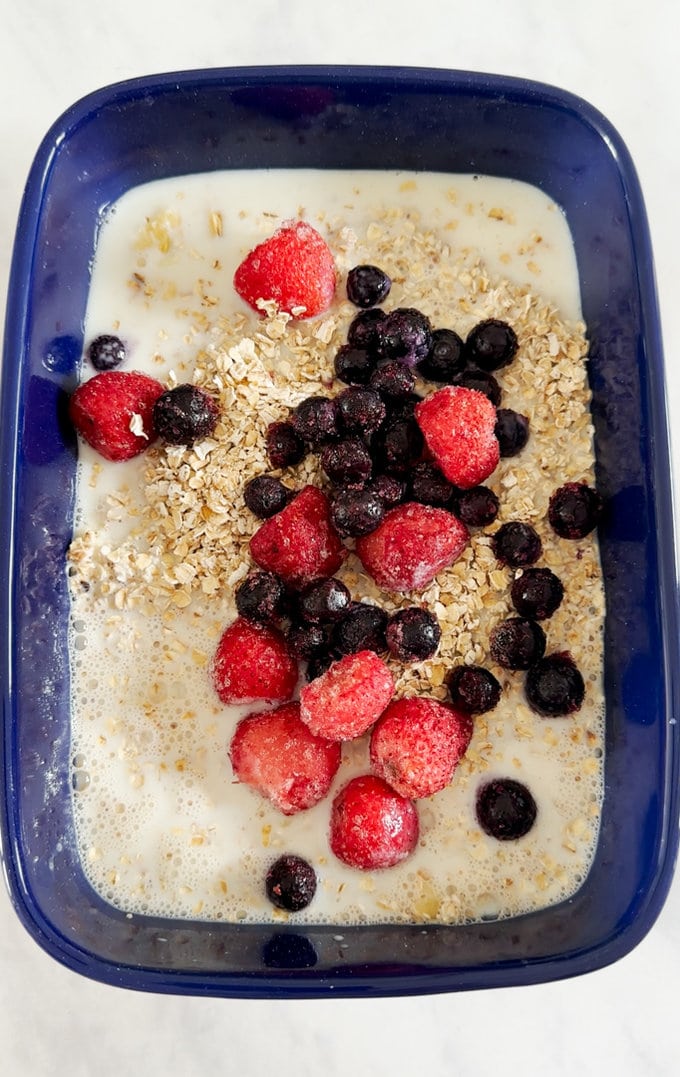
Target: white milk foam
pixel 162 826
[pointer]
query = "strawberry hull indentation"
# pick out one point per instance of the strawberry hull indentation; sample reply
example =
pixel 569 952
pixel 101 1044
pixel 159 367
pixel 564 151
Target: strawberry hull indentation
pixel 412 544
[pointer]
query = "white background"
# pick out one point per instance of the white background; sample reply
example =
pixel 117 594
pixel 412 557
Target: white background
pixel 622 56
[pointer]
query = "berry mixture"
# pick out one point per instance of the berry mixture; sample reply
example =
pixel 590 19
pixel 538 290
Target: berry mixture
pixel 387 483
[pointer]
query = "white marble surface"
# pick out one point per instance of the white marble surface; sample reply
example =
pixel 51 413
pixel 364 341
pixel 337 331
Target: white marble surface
pixel 620 55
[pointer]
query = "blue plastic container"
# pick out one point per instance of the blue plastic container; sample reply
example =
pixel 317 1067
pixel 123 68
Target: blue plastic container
pixel 335 118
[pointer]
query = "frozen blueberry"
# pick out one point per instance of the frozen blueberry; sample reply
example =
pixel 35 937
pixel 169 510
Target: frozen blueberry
pixel 446 358
pixel 473 689
pixel 261 597
pixel 347 462
pixel 318 664
pixel 290 883
pixel 512 431
pixel 356 512
pixel 360 410
pixel 405 334
pixel 517 643
pixel 491 344
pixel 554 687
pixel 367 286
pixel 505 809
pixel 306 640
pixel 537 593
pixel 574 510
pixel 185 414
pixel 393 379
pixel 413 634
pixel 284 447
pixel 364 330
pixel 429 487
pixel 264 496
pixel 483 382
pixel 106 352
pixel 315 420
pixel 389 488
pixel 477 507
pixel 324 601
pixel 354 365
pixel 517 544
pixel 399 444
pixel 362 628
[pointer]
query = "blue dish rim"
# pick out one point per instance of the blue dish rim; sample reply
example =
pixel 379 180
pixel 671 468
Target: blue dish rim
pixel 407 979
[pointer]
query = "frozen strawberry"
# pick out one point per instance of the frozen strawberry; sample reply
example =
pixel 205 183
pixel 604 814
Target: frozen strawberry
pixel 345 700
pixel 253 662
pixel 417 743
pixel 412 544
pixel 294 267
pixel 113 412
pixel 276 755
pixel 372 826
pixel 458 425
pixel 299 543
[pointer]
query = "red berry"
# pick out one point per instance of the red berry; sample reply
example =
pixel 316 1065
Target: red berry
pixel 253 662
pixel 458 425
pixel 276 755
pixel 294 267
pixel 372 826
pixel 103 411
pixel 300 543
pixel 412 544
pixel 417 743
pixel 348 698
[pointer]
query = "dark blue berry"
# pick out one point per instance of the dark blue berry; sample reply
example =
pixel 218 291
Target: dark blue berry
pixel 505 809
pixel 306 640
pixel 362 628
pixel 367 286
pixel 537 593
pixel 446 358
pixel 261 597
pixel 284 447
pixel 315 420
pixel 290 883
pixel 428 486
pixel 482 382
pixel 324 601
pixel 264 496
pixel 405 334
pixel 413 634
pixel 491 344
pixel 360 410
pixel 185 414
pixel 517 544
pixel 356 512
pixel 554 687
pixel 473 689
pixel 389 488
pixel 364 330
pixel 512 431
pixel 517 643
pixel 393 379
pixel 354 365
pixel 318 664
pixel 399 444
pixel 106 352
pixel 477 507
pixel 347 462
pixel 574 510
